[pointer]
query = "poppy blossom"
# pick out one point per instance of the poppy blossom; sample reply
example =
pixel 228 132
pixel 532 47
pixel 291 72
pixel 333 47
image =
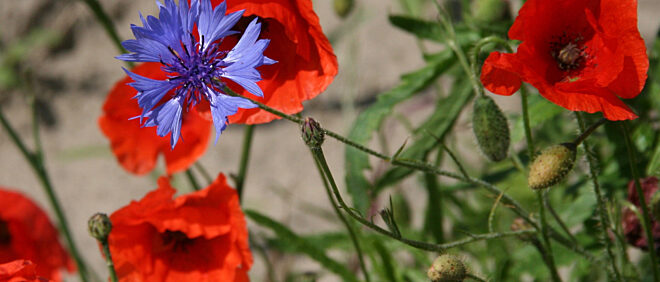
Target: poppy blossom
pixel 20 271
pixel 27 233
pixel 200 236
pixel 581 55
pixel 632 227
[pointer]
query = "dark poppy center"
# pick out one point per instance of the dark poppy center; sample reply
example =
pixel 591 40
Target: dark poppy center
pixel 568 52
pixel 176 241
pixel 5 236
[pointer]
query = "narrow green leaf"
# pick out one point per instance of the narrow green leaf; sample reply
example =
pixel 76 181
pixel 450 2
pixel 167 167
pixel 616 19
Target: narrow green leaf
pixel 420 28
pixel 439 124
pixel 301 245
pixel 387 261
pixel 370 121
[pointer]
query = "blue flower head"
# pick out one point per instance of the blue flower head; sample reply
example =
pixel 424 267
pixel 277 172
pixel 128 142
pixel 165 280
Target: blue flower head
pixel 186 40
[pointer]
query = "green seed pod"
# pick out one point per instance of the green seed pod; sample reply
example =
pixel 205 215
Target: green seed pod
pixel 99 226
pixel 491 129
pixel 343 7
pixel 551 166
pixel 447 268
pixel 312 133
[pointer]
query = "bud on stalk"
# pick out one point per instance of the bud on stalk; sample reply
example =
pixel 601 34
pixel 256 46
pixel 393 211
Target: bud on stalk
pixel 447 268
pixel 551 166
pixel 490 128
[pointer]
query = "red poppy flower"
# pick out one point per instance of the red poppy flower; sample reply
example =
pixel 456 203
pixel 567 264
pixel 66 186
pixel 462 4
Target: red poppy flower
pixel 20 271
pixel 201 236
pixel 137 148
pixel 581 55
pixel 632 227
pixel 26 233
pixel 306 66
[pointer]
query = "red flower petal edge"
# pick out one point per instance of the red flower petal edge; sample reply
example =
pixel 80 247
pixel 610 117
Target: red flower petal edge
pixel 581 55
pixel 27 233
pixel 20 271
pixel 137 148
pixel 306 62
pixel 200 236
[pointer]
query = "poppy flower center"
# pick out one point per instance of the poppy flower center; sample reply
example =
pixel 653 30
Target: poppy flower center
pixel 5 236
pixel 568 53
pixel 176 241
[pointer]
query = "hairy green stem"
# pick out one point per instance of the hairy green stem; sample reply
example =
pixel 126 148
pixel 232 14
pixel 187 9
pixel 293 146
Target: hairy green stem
pixel 593 174
pixel 35 161
pixel 642 202
pixel 349 227
pixel 547 253
pixel 108 260
pixel 528 129
pixel 558 219
pixel 245 159
pixel 475 277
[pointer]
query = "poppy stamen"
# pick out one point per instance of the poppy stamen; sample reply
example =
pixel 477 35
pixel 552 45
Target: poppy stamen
pixel 176 241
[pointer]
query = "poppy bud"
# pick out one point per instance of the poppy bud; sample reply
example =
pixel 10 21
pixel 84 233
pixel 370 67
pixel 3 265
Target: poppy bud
pixel 312 133
pixel 447 268
pixel 343 7
pixel 491 128
pixel 99 226
pixel 551 166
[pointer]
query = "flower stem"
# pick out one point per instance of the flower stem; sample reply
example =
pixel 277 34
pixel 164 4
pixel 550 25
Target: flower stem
pixel 192 180
pixel 349 227
pixel 205 174
pixel 602 210
pixel 549 259
pixel 475 277
pixel 35 161
pixel 528 129
pixel 642 202
pixel 108 260
pixel 106 22
pixel 245 158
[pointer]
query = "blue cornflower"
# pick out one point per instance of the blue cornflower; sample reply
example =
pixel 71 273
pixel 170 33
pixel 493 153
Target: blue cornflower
pixel 186 40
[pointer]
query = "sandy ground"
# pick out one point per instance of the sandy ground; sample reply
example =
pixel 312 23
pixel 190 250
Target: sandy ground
pixel 282 181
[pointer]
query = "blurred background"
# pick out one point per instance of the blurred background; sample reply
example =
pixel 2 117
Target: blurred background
pixel 57 51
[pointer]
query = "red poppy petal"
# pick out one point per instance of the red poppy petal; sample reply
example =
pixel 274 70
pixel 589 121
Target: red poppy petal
pixel 306 63
pixel 20 271
pixel 583 96
pixel 497 74
pixel 631 80
pixel 137 148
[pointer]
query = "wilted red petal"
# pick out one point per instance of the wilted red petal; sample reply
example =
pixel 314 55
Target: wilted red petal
pixel 137 148
pixel 27 233
pixel 201 236
pixel 306 63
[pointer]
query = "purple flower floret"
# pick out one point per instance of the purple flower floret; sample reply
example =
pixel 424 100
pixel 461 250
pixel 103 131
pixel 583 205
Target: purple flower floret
pixel 194 62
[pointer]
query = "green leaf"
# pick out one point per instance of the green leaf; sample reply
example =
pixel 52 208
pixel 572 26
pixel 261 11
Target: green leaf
pixel 370 121
pixel 574 212
pixel 420 28
pixel 438 124
pixel 301 245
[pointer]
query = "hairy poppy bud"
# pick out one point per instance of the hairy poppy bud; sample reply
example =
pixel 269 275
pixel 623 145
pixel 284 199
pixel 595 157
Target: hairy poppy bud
pixel 491 128
pixel 447 268
pixel 343 7
pixel 551 166
pixel 99 226
pixel 312 133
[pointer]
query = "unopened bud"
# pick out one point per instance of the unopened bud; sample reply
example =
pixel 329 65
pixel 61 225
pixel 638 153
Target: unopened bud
pixel 490 128
pixel 447 268
pixel 551 166
pixel 343 7
pixel 99 226
pixel 312 133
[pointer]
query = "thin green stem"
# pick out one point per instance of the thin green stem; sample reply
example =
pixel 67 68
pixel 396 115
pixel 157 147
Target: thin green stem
pixel 475 277
pixel 108 260
pixel 528 129
pixel 106 22
pixel 205 174
pixel 547 253
pixel 349 227
pixel 245 158
pixel 593 174
pixel 642 202
pixel 39 169
pixel 558 219
pixel 320 158
pixel 192 180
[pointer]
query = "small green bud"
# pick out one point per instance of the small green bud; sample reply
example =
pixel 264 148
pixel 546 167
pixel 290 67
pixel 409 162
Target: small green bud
pixel 99 226
pixel 343 7
pixel 490 128
pixel 551 166
pixel 312 133
pixel 655 205
pixel 447 268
